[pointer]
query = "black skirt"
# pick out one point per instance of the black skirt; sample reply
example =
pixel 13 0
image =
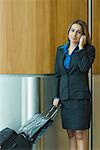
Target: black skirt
pixel 76 114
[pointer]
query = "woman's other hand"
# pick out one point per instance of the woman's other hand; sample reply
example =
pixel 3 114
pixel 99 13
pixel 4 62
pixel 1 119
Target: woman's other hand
pixel 56 102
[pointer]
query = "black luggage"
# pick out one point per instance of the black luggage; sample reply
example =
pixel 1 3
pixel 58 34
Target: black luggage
pixel 35 127
pixel 10 140
pixel 29 133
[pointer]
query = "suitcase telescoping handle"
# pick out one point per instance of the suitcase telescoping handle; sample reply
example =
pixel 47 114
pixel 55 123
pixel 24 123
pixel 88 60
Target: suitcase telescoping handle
pixel 53 112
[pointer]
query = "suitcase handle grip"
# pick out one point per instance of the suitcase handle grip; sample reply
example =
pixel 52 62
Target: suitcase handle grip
pixel 53 111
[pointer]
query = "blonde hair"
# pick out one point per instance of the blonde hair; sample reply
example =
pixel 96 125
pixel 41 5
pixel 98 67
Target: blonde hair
pixel 84 29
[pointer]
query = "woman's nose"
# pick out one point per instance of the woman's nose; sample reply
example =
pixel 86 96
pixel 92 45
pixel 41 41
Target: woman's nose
pixel 75 33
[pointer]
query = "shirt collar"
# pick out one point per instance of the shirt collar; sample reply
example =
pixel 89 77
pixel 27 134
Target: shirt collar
pixel 65 47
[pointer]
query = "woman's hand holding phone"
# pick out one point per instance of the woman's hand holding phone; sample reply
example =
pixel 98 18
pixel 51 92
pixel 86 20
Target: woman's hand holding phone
pixel 82 41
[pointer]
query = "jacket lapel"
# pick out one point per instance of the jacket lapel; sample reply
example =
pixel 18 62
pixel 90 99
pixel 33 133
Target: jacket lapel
pixel 63 57
pixel 72 61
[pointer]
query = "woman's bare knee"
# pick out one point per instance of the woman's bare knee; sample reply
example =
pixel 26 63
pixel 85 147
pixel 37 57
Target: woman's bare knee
pixel 71 133
pixel 81 134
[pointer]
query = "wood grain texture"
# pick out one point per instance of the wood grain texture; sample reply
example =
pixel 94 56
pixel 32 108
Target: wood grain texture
pixel 96 34
pixel 63 12
pixel 30 31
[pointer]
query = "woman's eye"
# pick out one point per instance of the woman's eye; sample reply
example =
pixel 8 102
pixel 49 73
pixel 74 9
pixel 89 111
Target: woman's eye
pixel 72 30
pixel 79 32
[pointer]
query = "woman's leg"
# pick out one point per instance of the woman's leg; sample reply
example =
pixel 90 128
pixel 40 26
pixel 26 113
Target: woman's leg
pixel 82 139
pixel 72 139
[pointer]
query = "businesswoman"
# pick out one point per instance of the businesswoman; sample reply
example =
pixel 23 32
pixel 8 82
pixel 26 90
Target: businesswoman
pixel 73 61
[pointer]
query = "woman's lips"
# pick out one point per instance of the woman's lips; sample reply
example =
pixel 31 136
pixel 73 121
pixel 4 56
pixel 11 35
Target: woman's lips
pixel 74 39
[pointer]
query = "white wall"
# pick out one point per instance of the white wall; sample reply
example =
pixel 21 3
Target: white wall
pixel 10 102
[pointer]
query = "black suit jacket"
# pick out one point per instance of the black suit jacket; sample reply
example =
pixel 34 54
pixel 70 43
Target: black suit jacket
pixel 73 83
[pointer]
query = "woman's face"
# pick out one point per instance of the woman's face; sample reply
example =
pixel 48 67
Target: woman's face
pixel 75 33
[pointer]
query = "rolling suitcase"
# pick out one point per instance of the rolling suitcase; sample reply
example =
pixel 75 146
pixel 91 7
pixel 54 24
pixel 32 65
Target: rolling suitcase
pixel 35 127
pixel 29 133
pixel 10 140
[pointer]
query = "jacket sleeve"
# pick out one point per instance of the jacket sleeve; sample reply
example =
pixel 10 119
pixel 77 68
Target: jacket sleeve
pixel 56 76
pixel 85 58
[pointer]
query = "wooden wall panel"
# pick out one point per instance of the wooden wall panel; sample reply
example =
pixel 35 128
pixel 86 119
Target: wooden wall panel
pixel 62 13
pixel 96 34
pixel 30 31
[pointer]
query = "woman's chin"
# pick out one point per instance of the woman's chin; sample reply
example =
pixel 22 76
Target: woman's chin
pixel 74 42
